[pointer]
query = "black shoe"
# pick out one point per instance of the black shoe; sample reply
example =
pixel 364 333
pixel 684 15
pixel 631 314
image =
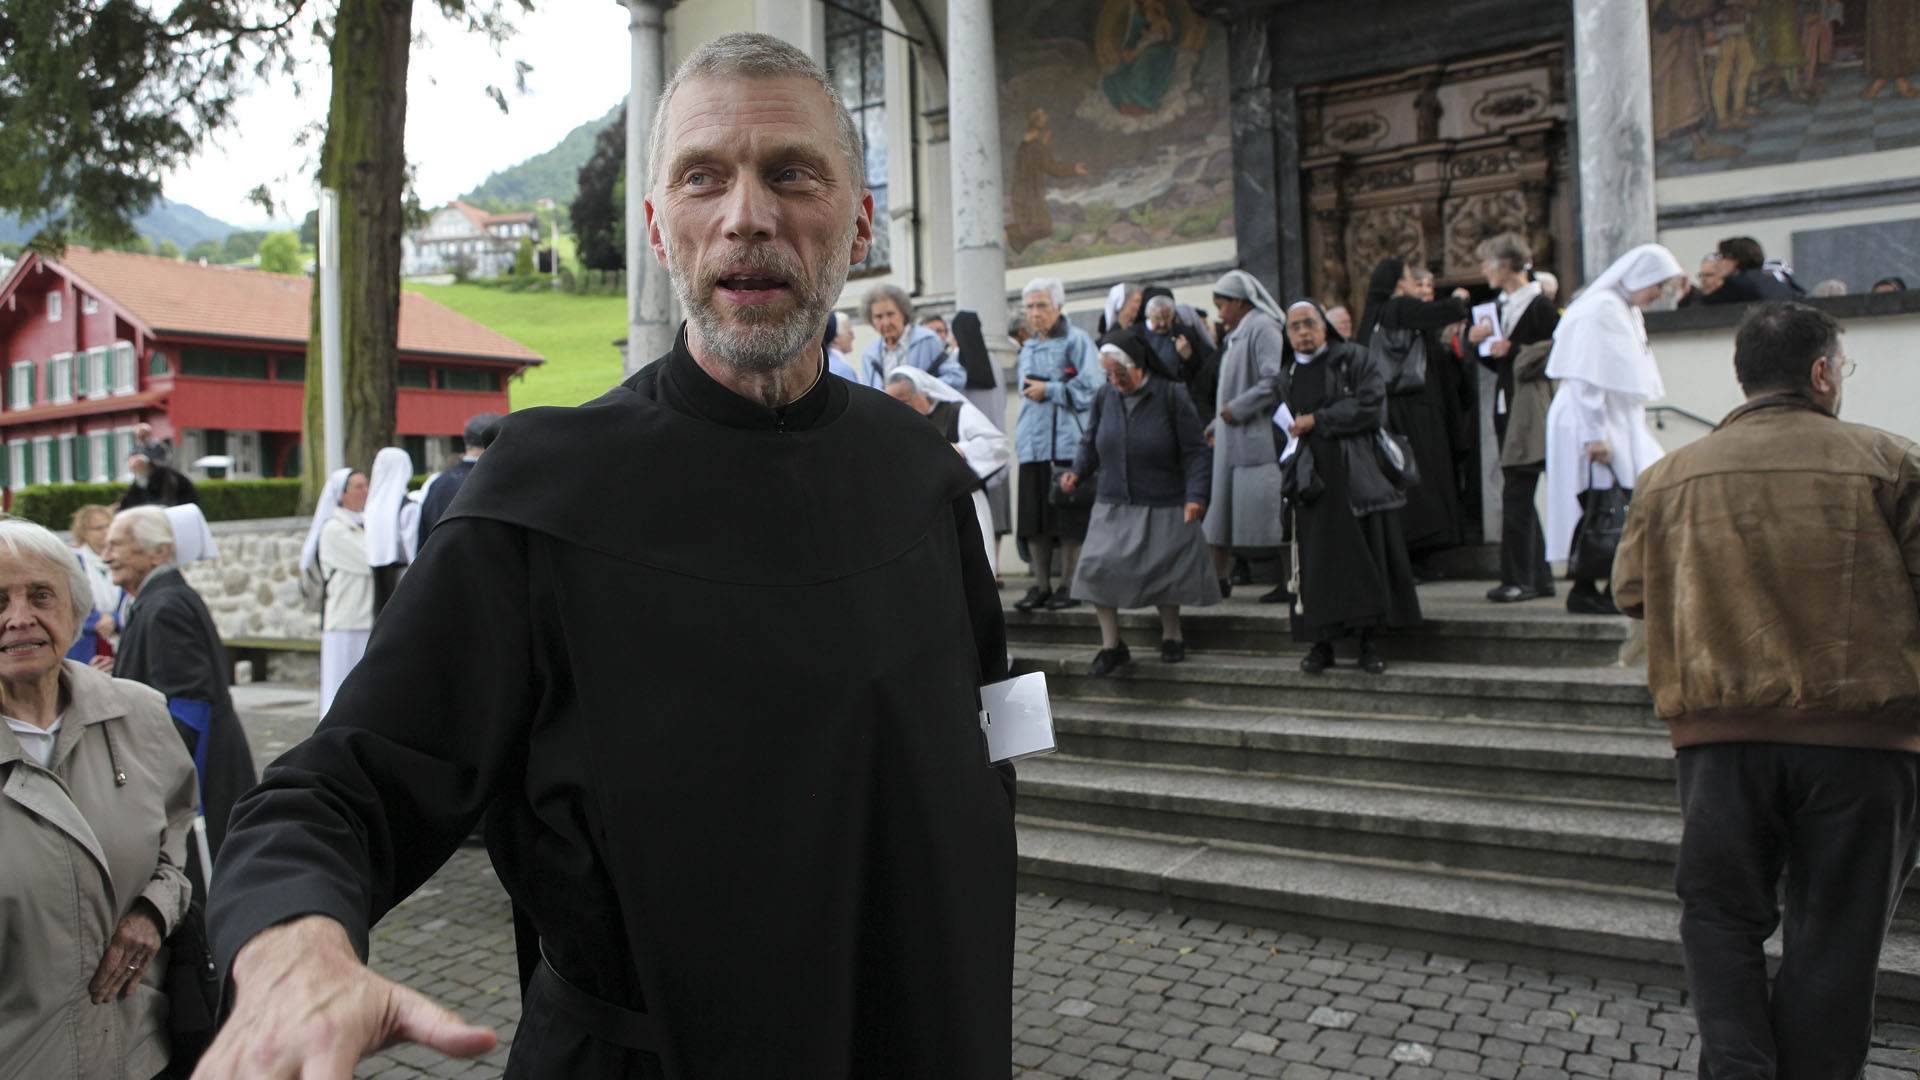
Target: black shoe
pixel 1226 588
pixel 1060 600
pixel 1107 661
pixel 1588 602
pixel 1370 661
pixel 1318 659
pixel 1279 595
pixel 1242 573
pixel 1036 596
pixel 1172 652
pixel 1510 594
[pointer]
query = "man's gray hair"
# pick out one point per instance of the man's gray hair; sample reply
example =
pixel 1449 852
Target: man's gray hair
pixel 1160 303
pixel 1016 324
pixel 25 539
pixel 756 56
pixel 150 529
pixel 898 378
pixel 1050 287
pixel 884 291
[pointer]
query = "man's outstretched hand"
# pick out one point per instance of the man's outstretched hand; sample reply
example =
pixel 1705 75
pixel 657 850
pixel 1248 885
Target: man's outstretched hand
pixel 306 1008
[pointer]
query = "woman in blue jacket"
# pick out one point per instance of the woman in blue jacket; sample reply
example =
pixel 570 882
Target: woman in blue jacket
pixel 1059 373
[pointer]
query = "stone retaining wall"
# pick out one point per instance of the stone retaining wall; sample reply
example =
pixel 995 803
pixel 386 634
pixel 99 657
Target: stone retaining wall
pixel 253 590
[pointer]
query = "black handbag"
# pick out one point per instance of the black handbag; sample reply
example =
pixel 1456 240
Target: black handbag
pixel 1402 355
pixel 192 984
pixel 1081 497
pixel 1300 482
pixel 1395 455
pixel 1596 536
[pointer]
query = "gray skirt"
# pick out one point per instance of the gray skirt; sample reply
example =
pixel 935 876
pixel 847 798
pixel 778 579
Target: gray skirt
pixel 1245 512
pixel 1144 556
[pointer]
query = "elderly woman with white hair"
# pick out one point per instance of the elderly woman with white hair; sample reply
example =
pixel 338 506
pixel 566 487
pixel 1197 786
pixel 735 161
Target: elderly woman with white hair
pixel 170 644
pixel 962 424
pixel 1059 372
pixel 96 799
pixel 1147 457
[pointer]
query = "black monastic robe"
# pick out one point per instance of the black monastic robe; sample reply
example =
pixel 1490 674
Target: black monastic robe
pixel 171 644
pixel 716 667
pixel 1432 418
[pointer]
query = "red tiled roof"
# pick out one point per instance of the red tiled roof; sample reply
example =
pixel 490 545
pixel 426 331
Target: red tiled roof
pixel 185 297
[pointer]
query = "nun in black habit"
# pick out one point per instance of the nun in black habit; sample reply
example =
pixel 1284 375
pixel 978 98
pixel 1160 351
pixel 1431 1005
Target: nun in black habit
pixel 1354 573
pixel 1427 407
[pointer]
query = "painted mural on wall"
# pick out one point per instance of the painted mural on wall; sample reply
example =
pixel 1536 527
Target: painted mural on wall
pixel 1746 83
pixel 1114 116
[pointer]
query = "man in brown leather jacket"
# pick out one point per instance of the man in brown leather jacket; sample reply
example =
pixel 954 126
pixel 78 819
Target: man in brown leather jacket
pixel 1777 565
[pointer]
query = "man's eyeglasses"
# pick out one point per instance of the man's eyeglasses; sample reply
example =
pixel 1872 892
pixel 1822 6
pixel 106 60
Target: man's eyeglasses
pixel 1842 364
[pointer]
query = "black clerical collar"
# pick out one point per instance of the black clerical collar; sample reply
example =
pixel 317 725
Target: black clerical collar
pixel 685 386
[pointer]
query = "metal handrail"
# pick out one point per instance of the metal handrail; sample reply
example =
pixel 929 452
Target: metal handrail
pixel 1660 420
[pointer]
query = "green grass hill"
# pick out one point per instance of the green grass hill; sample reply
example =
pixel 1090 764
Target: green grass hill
pixel 574 333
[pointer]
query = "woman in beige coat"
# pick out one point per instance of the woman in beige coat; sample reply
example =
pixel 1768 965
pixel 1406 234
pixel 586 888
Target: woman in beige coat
pixel 96 795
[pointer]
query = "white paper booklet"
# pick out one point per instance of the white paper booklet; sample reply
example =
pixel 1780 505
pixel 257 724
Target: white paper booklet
pixel 1283 419
pixel 1488 312
pixel 1017 718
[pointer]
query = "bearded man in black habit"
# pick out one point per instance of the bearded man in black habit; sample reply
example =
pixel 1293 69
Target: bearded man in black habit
pixel 729 729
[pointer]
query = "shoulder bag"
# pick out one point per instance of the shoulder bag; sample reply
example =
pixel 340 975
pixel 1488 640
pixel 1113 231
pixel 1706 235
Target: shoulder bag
pixel 1402 354
pixel 1081 497
pixel 1596 536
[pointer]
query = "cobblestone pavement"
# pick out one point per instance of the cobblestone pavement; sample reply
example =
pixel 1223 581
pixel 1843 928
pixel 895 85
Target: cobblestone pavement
pixel 1106 993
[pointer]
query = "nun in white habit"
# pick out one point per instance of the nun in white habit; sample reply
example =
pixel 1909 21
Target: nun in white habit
pixel 1597 424
pixel 386 499
pixel 336 545
pixel 986 449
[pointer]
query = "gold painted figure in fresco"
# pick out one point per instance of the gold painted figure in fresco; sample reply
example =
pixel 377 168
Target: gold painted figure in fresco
pixel 1033 162
pixel 1893 46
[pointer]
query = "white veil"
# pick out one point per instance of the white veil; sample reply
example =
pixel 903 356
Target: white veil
pixel 192 540
pixel 1602 339
pixel 322 510
pixel 386 490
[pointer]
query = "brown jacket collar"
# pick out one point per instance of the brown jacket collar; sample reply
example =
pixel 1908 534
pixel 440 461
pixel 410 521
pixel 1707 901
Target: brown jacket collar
pixel 1786 399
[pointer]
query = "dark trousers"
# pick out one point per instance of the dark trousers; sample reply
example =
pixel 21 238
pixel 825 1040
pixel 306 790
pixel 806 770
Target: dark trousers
pixel 1841 822
pixel 1523 547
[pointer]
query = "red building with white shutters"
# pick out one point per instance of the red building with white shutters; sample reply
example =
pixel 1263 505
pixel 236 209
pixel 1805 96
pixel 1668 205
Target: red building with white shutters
pixel 214 358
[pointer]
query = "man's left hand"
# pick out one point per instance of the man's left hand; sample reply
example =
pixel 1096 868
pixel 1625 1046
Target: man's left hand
pixel 1301 425
pixel 1601 451
pixel 135 941
pixel 1196 511
pixel 1500 348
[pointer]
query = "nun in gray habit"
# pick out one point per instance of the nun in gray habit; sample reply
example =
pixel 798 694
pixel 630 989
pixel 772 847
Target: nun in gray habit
pixel 1244 513
pixel 1355 577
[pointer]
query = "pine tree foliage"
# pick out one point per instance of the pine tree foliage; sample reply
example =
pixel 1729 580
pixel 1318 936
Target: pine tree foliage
pixel 595 213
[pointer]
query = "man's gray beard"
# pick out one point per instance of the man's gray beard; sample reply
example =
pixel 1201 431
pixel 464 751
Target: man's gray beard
pixel 139 480
pixel 763 347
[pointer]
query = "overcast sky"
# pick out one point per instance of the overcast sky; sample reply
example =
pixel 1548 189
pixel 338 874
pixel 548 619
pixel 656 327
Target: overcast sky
pixel 455 133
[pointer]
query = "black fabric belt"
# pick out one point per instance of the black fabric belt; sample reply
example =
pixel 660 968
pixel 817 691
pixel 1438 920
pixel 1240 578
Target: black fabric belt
pixel 597 1017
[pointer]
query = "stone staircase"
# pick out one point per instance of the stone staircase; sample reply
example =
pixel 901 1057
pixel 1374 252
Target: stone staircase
pixel 1504 791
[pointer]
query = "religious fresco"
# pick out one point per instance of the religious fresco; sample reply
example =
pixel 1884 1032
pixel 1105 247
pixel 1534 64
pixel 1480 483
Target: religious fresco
pixel 1114 118
pixel 1746 83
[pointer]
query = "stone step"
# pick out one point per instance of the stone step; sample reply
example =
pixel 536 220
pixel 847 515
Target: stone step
pixel 1461 626
pixel 1623 933
pixel 1484 757
pixel 1488 633
pixel 1576 696
pixel 1585 844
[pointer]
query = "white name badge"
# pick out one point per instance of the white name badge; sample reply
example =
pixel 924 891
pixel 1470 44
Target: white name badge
pixel 1017 717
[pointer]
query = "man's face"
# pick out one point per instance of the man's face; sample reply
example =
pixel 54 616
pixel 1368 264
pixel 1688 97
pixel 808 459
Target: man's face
pixel 1423 287
pixel 1342 321
pixel 139 466
pixel 354 497
pixel 1305 331
pixel 939 327
pixel 129 562
pixel 1160 320
pixel 887 319
pixel 1712 273
pixel 1041 313
pixel 756 217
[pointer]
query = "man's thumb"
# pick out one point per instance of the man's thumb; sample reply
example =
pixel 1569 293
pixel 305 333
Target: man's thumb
pixel 416 1019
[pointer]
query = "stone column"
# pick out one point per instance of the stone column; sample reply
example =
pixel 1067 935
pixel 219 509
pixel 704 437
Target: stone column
pixel 1267 211
pixel 650 327
pixel 979 209
pixel 1613 90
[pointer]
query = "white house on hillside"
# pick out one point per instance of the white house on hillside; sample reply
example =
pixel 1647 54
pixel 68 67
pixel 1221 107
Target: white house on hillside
pixel 459 236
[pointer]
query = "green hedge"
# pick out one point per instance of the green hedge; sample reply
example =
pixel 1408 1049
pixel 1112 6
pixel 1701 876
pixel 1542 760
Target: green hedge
pixel 53 505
